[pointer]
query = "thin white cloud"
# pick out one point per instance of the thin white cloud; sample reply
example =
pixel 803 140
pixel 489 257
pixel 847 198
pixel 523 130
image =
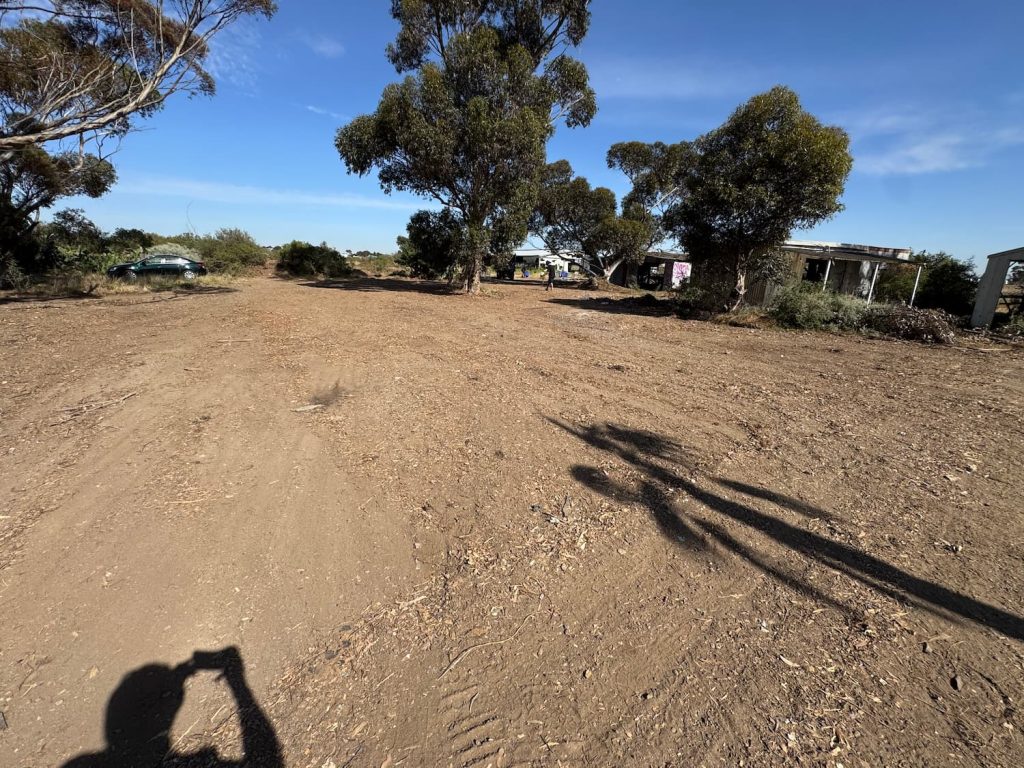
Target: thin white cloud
pixel 865 124
pixel 325 112
pixel 926 155
pixel 323 45
pixel 237 194
pixel 938 152
pixel 910 140
pixel 668 80
pixel 234 55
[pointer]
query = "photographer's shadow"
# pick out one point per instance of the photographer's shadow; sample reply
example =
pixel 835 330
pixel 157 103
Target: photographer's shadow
pixel 142 709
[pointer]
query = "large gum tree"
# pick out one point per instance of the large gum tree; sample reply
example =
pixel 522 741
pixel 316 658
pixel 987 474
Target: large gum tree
pixel 81 69
pixel 468 127
pixel 742 188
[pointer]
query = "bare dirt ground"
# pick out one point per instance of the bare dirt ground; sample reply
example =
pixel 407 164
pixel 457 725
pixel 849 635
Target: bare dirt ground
pixel 524 529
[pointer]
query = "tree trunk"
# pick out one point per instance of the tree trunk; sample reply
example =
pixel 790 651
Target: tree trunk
pixel 631 274
pixel 471 273
pixel 610 270
pixel 740 291
pixel 478 241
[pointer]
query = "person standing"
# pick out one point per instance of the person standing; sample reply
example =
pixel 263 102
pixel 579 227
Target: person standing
pixel 551 276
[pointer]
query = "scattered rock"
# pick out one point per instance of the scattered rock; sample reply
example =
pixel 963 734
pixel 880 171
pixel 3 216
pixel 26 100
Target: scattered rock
pixel 957 682
pixel 588 674
pixel 3 722
pixel 926 647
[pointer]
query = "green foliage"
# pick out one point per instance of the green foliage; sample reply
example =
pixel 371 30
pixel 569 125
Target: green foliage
pixel 305 260
pixel 1015 327
pixel 653 171
pixel 433 245
pixel 769 169
pixel 228 251
pixel 616 240
pixel 948 284
pixel 169 247
pixel 808 307
pixel 373 263
pixel 76 244
pixel 469 127
pixel 1016 276
pixel 572 217
pixel 129 243
pixel 895 284
pixel 32 179
pixel 84 68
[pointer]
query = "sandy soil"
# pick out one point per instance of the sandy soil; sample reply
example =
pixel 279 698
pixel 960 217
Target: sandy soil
pixel 524 529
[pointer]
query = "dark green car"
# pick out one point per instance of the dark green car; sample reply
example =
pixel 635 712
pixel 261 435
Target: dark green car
pixel 156 265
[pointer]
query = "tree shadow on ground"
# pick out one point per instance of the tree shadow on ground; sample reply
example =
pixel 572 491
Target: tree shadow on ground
pixel 36 299
pixel 383 284
pixel 58 298
pixel 535 284
pixel 647 304
pixel 142 709
pixel 663 474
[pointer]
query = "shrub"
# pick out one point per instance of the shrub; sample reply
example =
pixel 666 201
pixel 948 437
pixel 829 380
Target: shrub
pixel 305 260
pixel 232 251
pixel 229 251
pixel 172 249
pixel 434 241
pixel 810 308
pixel 1015 326
pixel 376 264
pixel 928 325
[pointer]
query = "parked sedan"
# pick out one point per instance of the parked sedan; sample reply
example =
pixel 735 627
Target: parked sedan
pixel 159 266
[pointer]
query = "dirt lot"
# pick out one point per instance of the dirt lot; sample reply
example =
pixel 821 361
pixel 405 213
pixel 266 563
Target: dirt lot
pixel 524 529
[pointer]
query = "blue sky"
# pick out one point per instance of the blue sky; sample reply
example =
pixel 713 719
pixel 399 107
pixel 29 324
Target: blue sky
pixel 932 94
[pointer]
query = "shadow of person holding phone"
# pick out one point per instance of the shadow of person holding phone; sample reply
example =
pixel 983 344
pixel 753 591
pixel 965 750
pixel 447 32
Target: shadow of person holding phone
pixel 142 709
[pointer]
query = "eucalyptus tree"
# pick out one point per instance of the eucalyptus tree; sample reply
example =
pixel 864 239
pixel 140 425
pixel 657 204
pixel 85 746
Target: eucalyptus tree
pixel 571 217
pixel 488 82
pixel 80 69
pixel 769 169
pixel 653 172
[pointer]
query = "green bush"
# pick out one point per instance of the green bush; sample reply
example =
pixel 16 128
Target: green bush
pixel 376 264
pixel 1015 327
pixel 229 251
pixel 432 246
pixel 305 260
pixel 810 308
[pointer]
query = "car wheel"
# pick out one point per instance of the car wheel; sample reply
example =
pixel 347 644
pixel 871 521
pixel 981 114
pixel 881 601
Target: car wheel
pixel 130 276
pixel 188 274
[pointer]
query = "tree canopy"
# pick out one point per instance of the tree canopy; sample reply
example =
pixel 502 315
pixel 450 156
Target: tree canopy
pixel 432 244
pixel 653 171
pixel 571 217
pixel 32 179
pixel 82 68
pixel 948 283
pixel 745 186
pixel 469 127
